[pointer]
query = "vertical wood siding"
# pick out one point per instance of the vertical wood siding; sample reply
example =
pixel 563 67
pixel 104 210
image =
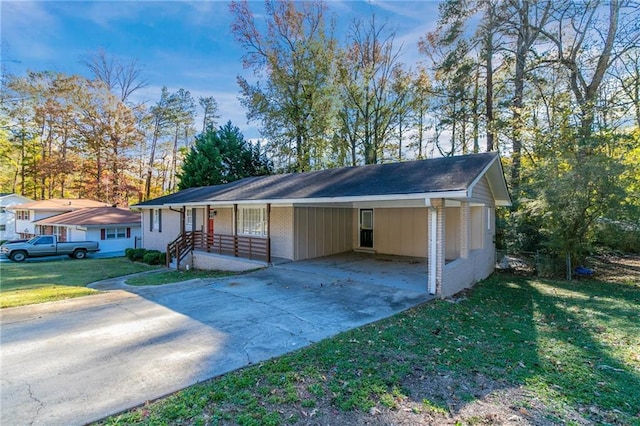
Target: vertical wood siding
pixel 320 231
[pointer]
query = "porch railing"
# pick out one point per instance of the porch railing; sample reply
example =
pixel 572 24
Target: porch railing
pixel 233 245
pixel 179 248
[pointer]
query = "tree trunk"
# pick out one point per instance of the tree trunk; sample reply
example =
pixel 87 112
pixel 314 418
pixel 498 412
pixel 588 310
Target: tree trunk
pixel 489 94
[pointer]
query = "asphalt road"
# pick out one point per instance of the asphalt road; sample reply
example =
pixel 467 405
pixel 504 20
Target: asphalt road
pixel 77 361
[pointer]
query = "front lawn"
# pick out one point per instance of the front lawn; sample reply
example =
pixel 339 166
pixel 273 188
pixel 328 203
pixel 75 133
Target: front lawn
pixel 37 282
pixel 513 349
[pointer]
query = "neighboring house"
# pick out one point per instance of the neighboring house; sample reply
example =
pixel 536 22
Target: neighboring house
pixel 442 209
pixel 114 228
pixel 28 213
pixel 7 216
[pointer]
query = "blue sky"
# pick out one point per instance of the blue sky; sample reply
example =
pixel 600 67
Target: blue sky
pixel 179 44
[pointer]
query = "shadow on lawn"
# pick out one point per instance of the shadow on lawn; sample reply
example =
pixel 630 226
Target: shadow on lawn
pixel 588 335
pixel 564 351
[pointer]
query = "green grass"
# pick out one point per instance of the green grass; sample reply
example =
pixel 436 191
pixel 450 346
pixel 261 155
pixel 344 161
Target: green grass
pixel 176 276
pixel 37 282
pixel 574 345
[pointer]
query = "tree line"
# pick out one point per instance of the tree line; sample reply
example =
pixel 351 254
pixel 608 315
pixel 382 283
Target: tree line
pixel 74 136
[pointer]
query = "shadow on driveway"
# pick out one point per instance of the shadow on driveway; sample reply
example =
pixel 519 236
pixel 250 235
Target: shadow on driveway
pixel 77 361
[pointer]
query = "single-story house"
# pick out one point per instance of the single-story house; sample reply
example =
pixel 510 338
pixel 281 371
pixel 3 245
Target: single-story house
pixel 27 214
pixel 442 209
pixel 114 228
pixel 7 216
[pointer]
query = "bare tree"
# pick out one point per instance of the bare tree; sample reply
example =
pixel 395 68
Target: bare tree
pixel 121 78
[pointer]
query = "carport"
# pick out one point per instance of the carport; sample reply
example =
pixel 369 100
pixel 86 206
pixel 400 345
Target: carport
pixel 402 272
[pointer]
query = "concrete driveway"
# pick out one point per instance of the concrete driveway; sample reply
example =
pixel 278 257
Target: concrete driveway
pixel 76 361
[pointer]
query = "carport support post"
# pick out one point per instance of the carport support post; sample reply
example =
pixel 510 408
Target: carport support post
pixel 268 232
pixel 465 229
pixel 436 246
pixel 207 231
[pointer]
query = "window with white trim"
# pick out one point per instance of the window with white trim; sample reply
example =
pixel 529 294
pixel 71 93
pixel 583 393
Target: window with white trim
pixel 58 231
pixel 188 218
pixel 156 219
pixel 23 215
pixel 3 228
pixel 116 233
pixel 252 221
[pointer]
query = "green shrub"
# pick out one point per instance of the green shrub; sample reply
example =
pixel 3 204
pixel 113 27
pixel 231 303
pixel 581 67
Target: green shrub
pixel 153 257
pixel 135 255
pixel 128 253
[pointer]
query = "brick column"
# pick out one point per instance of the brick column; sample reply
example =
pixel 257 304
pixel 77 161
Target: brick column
pixel 465 230
pixel 437 209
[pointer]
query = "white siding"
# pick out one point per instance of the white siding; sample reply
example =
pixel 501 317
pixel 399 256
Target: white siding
pixel 116 245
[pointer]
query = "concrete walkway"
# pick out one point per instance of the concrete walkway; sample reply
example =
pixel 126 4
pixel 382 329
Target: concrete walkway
pixel 76 361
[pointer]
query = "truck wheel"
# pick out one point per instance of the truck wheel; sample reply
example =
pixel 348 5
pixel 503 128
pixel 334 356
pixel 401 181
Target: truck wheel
pixel 18 256
pixel 80 254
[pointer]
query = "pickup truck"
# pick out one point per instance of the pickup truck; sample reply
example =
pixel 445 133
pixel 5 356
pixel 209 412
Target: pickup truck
pixel 47 245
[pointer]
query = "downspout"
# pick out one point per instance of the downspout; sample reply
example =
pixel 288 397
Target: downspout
pixel 181 211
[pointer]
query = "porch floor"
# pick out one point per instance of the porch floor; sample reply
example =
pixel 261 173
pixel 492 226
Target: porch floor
pixel 407 273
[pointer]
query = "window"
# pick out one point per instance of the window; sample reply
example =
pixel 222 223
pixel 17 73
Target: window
pixel 251 221
pixel 156 220
pixel 44 241
pixel 3 209
pixel 116 233
pixel 59 232
pixel 3 228
pixel 188 220
pixel 23 215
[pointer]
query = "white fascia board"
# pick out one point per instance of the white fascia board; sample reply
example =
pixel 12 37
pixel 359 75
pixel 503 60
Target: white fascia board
pixel 461 194
pixel 500 173
pixel 480 176
pixel 155 206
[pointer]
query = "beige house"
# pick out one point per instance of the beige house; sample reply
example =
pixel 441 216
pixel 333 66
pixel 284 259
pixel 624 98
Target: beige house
pixel 440 209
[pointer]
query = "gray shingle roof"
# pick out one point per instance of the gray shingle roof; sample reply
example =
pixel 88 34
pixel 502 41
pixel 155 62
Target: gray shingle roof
pixel 409 177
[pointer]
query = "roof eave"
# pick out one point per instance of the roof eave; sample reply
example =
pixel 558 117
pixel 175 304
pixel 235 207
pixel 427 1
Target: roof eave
pixel 454 194
pixel 495 175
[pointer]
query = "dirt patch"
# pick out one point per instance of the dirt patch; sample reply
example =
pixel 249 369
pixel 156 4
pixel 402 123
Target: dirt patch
pixel 440 399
